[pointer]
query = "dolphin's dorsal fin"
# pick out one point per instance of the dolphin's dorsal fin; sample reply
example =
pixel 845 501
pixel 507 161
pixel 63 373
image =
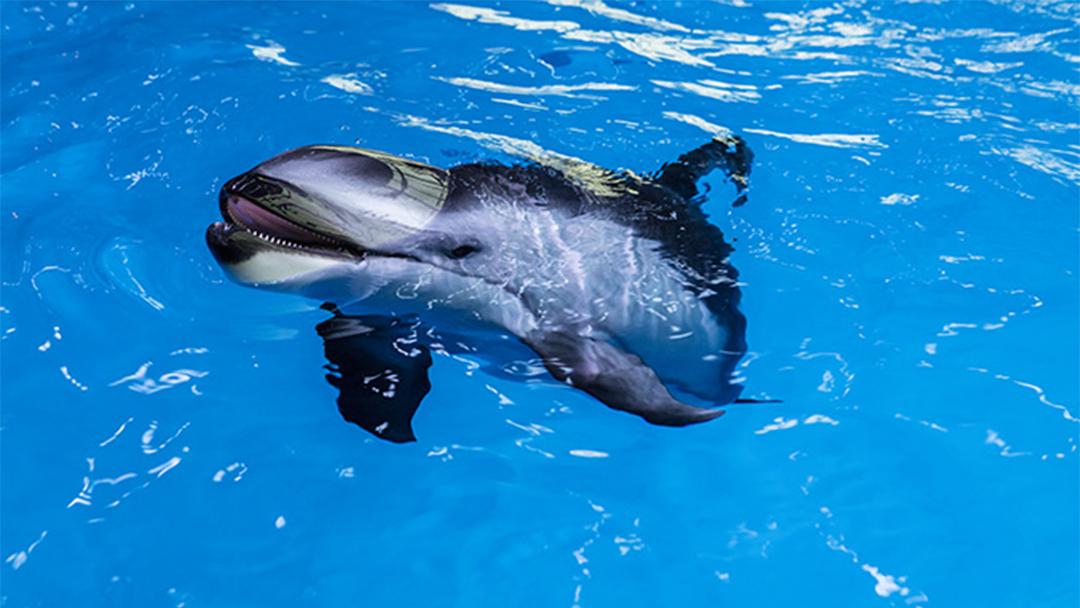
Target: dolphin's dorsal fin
pixel 617 378
pixel 380 370
pixel 728 153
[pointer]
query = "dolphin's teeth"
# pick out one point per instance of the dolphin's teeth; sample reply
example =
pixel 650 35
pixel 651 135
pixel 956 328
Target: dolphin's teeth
pixel 331 244
pixel 309 239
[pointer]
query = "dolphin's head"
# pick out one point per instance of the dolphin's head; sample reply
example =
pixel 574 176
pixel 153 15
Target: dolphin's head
pixel 320 208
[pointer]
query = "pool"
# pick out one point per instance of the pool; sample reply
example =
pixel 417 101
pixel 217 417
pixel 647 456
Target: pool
pixel 907 257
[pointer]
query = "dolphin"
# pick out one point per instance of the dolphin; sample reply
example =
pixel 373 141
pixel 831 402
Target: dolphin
pixel 617 281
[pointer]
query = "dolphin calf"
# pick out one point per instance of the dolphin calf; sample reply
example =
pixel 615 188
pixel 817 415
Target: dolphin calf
pixel 617 281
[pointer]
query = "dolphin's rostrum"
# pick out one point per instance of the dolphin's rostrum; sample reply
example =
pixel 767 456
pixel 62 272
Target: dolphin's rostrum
pixel 617 281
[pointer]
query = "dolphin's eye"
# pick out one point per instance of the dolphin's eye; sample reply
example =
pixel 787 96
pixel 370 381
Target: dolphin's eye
pixel 461 251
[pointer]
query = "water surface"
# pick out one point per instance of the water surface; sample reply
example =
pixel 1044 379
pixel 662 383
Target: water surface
pixel 909 253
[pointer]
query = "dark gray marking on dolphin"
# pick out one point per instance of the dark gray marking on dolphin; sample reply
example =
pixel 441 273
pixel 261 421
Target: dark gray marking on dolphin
pixel 618 282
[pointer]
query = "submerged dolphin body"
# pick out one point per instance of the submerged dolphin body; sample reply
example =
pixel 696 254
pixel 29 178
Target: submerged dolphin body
pixel 618 282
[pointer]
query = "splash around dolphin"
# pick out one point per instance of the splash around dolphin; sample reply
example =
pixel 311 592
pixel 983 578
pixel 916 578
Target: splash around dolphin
pixel 617 281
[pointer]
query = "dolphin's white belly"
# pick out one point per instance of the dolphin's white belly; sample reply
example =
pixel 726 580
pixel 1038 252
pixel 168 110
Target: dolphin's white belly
pixel 398 286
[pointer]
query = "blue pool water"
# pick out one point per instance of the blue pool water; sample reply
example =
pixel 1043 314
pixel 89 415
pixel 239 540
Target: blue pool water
pixel 909 253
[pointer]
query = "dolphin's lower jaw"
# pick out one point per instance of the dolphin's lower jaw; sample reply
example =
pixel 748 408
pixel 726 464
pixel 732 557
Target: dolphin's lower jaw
pixel 250 259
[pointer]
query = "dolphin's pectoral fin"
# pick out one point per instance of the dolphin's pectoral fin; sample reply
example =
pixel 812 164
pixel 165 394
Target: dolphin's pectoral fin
pixel 729 153
pixel 380 369
pixel 619 379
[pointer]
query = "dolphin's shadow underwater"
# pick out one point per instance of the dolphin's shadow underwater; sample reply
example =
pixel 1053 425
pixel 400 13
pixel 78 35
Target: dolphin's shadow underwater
pixel 617 281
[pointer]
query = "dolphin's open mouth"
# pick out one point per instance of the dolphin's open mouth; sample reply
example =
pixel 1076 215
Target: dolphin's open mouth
pixel 317 206
pixel 241 213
